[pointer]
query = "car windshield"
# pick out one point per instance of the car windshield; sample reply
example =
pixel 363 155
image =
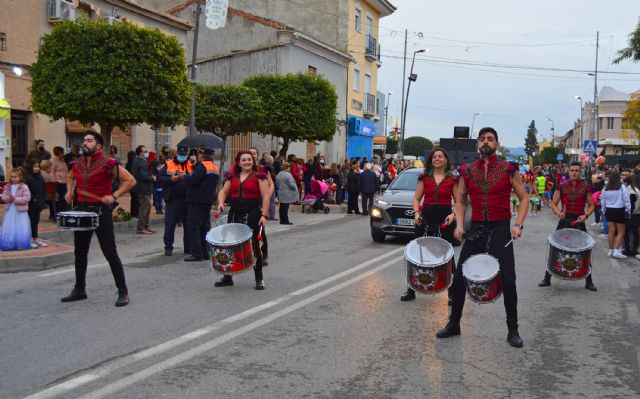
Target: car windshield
pixel 405 181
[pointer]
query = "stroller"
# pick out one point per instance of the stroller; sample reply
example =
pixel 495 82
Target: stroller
pixel 313 202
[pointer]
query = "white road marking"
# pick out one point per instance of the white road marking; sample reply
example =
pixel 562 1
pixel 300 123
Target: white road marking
pixel 70 269
pixel 106 370
pixel 116 386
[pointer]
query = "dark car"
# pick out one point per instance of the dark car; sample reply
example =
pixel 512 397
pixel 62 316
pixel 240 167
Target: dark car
pixel 392 213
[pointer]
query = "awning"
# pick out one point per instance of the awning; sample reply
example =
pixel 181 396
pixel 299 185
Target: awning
pixel 5 109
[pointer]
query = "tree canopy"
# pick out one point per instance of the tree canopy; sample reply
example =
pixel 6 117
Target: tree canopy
pixel 549 155
pixel 632 51
pixel 298 107
pixel 417 146
pixel 226 110
pixel 112 75
pixel 531 141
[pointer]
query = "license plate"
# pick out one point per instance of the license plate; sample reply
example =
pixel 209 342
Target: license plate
pixel 405 222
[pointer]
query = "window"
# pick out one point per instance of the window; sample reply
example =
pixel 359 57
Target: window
pixel 369 25
pixel 358 19
pixel 610 123
pixel 312 70
pixel 356 78
pixel 367 83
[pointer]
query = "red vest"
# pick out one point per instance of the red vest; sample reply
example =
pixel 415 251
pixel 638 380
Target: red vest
pixel 93 175
pixel 437 194
pixel 490 196
pixel 574 197
pixel 250 186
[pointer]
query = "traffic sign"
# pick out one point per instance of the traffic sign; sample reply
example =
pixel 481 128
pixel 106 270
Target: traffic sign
pixel 559 157
pixel 589 146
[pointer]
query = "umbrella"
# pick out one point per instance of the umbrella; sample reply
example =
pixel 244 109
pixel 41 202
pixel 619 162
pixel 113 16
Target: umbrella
pixel 206 140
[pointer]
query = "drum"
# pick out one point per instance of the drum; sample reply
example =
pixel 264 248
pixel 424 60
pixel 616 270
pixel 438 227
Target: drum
pixel 78 220
pixel 569 256
pixel 482 277
pixel 230 248
pixel 429 264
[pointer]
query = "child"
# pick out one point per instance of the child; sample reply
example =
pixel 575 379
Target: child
pixel 16 230
pixel 515 203
pixel 534 200
pixel 37 188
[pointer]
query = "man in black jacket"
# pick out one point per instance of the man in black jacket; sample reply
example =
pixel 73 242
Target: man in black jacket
pixel 143 188
pixel 201 191
pixel 368 187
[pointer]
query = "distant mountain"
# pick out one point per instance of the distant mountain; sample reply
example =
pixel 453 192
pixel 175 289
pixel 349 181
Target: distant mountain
pixel 516 151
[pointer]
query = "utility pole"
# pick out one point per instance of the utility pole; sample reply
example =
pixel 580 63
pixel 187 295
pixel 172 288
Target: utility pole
pixel 595 95
pixel 404 72
pixel 192 109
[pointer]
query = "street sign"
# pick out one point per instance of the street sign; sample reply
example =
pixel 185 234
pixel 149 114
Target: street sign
pixel 559 157
pixel 589 146
pixel 216 13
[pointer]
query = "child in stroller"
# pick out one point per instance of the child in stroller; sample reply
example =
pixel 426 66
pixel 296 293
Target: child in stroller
pixel 313 202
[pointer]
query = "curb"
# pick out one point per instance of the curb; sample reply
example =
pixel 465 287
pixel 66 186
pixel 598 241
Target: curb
pixel 37 262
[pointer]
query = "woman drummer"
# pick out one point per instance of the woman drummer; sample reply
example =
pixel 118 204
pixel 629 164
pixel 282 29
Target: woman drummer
pixel 436 186
pixel 249 196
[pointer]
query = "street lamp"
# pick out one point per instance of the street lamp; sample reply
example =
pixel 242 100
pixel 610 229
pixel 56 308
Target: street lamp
pixel 473 122
pixel 412 78
pixel 386 112
pixel 553 133
pixel 580 98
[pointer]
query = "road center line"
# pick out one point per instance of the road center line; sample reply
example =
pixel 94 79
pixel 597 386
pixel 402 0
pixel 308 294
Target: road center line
pixel 168 345
pixel 116 386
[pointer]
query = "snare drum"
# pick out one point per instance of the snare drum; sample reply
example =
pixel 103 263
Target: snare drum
pixel 231 248
pixel 429 264
pixel 569 256
pixel 78 220
pixel 482 277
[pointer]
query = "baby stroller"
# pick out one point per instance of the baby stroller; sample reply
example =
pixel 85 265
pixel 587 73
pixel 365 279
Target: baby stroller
pixel 313 202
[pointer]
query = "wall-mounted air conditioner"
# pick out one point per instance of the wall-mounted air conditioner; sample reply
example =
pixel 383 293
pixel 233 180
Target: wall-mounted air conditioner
pixel 61 10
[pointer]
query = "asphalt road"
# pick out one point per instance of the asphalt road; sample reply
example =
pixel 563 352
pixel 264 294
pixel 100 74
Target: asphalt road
pixel 329 325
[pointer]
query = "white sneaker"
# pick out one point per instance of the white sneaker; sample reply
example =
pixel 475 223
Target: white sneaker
pixel 41 243
pixel 34 245
pixel 603 235
pixel 594 224
pixel 638 256
pixel 610 253
pixel 618 254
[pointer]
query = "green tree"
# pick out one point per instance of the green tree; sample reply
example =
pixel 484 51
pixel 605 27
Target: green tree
pixel 417 146
pixel 392 146
pixel 549 155
pixel 111 75
pixel 227 110
pixel 504 152
pixel 298 107
pixel 632 51
pixel 531 142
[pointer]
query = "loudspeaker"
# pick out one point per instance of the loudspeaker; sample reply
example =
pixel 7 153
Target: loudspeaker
pixel 461 132
pixel 451 145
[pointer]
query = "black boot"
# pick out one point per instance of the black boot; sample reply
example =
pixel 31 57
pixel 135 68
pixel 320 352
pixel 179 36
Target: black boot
pixel 452 328
pixel 75 295
pixel 589 285
pixel 514 339
pixel 225 281
pixel 259 285
pixel 123 298
pixel 546 281
pixel 410 295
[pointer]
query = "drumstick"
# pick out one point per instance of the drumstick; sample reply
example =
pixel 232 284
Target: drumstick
pixel 259 235
pixel 510 241
pixel 88 194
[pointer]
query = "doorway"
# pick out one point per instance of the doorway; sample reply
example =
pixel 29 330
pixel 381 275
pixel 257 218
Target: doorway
pixel 19 137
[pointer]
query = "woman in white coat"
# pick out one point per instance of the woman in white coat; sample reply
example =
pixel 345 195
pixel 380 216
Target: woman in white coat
pixel 287 192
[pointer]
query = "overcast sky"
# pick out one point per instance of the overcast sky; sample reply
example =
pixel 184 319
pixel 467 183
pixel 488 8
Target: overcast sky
pixel 543 33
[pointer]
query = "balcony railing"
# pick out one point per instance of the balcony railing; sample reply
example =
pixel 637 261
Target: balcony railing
pixel 371 48
pixel 369 107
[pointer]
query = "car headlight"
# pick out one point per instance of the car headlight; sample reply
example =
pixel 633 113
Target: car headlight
pixel 375 213
pixel 380 202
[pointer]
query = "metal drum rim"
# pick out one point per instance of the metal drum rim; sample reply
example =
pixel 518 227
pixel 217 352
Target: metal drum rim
pixel 481 281
pixel 77 213
pixel 450 252
pixel 229 244
pixel 581 249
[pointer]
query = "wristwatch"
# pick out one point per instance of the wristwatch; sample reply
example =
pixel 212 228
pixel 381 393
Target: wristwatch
pixel 520 226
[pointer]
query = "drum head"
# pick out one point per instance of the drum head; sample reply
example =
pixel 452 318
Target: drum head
pixel 77 214
pixel 229 234
pixel 480 267
pixel 435 251
pixel 572 240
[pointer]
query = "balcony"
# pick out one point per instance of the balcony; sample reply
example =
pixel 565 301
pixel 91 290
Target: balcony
pixel 369 106
pixel 371 48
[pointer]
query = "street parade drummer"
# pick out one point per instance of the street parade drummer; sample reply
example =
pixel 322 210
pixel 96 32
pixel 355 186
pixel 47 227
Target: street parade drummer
pixel 436 185
pixel 489 182
pixel 92 176
pixel 575 195
pixel 250 195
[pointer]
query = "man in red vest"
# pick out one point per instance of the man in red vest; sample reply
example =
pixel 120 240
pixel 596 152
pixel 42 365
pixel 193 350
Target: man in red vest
pixel 92 176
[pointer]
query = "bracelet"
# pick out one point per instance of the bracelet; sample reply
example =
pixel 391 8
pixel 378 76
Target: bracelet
pixel 266 217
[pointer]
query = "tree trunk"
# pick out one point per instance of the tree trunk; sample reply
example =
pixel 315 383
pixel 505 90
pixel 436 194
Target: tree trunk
pixel 105 130
pixel 285 145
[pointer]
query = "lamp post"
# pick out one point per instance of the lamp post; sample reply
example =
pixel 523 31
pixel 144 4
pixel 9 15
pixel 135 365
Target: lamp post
pixel 553 133
pixel 412 78
pixel 580 98
pixel 473 122
pixel 386 113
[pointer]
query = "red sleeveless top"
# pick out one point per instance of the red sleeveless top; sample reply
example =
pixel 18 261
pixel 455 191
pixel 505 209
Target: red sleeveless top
pixel 437 194
pixel 490 195
pixel 574 197
pixel 93 175
pixel 248 189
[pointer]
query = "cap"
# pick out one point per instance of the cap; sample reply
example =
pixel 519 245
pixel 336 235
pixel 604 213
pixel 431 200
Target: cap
pixel 208 151
pixel 183 150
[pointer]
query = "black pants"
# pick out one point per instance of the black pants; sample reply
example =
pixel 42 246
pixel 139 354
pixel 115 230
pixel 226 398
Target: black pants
pixel 283 213
pixel 61 204
pixel 252 219
pixel 367 202
pixel 176 211
pixel 135 205
pixel 198 225
pixel 34 218
pixel 352 202
pixel 500 234
pixel 566 224
pixel 107 241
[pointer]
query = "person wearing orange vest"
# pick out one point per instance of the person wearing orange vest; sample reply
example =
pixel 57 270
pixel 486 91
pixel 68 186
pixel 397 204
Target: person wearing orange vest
pixel 201 191
pixel 171 178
